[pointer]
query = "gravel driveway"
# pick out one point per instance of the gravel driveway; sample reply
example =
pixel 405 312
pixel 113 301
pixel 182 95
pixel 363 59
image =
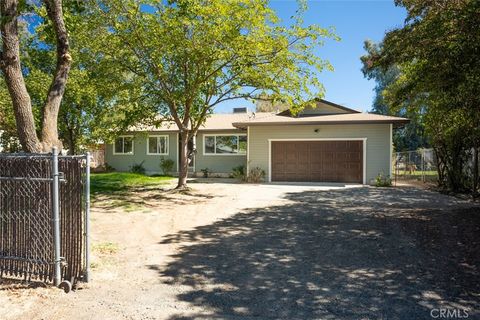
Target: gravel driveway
pixel 235 251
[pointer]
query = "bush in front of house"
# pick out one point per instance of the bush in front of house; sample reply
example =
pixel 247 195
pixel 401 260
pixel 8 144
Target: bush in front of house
pixel 137 168
pixel 239 172
pixel 167 166
pixel 256 175
pixel 383 180
pixel 206 172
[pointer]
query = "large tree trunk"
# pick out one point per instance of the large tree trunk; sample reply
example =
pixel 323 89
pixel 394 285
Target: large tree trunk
pixel 57 88
pixel 12 70
pixel 183 166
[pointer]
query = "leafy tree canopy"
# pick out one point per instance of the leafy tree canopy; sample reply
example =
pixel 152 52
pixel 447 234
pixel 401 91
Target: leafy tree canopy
pixel 191 55
pixel 436 52
pixel 410 137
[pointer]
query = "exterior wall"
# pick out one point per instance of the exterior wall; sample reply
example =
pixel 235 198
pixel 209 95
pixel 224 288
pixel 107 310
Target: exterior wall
pixel 217 163
pixel 378 148
pixel 151 163
pixel 378 143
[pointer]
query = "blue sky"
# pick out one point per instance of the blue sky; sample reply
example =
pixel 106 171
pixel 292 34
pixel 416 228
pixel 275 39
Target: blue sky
pixel 354 21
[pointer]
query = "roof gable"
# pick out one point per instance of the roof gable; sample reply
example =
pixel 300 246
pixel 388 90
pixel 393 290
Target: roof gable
pixel 322 107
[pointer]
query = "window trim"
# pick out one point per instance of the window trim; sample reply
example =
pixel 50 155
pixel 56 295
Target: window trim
pixel 167 139
pixel 122 153
pixel 238 135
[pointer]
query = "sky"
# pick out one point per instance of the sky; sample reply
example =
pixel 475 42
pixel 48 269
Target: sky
pixel 354 22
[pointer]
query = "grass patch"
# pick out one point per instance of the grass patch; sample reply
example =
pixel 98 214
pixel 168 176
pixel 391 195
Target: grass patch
pixel 105 248
pixel 417 173
pixel 107 183
pixel 103 254
pixel 429 176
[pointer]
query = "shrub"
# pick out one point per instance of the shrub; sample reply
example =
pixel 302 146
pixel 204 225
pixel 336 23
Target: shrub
pixel 239 172
pixel 167 166
pixel 108 168
pixel 383 180
pixel 206 172
pixel 138 168
pixel 255 175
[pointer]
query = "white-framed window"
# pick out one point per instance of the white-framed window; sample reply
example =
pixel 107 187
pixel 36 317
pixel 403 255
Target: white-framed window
pixel 157 145
pixel 123 145
pixel 225 144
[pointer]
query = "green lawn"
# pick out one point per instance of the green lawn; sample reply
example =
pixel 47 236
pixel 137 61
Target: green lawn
pixel 417 173
pixel 106 183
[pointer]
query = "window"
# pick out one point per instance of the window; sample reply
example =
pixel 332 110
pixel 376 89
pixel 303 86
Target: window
pixel 123 145
pixel 157 145
pixel 225 144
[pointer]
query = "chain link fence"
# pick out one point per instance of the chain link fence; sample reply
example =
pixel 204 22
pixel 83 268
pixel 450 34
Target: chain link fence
pixel 415 166
pixel 44 207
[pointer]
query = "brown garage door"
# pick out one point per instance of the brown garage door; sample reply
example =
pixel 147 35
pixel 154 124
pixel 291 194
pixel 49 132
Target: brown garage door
pixel 317 161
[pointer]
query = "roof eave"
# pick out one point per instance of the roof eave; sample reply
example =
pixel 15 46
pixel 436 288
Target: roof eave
pixel 399 122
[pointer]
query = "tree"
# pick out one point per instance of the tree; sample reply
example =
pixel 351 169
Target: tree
pixel 264 103
pixel 436 52
pixel 192 55
pixel 11 12
pixel 86 112
pixel 410 137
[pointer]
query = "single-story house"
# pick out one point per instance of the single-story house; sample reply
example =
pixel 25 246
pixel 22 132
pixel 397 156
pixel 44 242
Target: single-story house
pixel 328 143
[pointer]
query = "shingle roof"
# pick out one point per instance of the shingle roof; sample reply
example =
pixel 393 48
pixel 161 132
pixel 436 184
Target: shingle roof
pixel 275 119
pixel 235 121
pixel 217 121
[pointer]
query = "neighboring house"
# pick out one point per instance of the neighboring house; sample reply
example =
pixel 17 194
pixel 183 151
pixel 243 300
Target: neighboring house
pixel 329 143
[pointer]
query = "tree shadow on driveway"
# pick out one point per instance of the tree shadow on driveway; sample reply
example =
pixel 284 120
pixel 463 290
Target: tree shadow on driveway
pixel 360 253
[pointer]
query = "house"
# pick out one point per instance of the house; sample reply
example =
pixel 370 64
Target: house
pixel 328 143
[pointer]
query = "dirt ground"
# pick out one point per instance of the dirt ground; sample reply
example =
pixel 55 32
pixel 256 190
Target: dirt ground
pixel 237 251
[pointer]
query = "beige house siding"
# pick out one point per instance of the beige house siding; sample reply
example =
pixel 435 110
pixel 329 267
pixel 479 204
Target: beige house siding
pixel 378 143
pixel 151 162
pixel 222 164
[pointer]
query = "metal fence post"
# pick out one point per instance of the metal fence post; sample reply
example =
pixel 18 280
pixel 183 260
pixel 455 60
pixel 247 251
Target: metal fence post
pixel 87 219
pixel 423 166
pixel 56 216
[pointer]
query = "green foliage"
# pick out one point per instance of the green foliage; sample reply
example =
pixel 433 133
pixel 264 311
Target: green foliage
pixel 182 58
pixel 206 172
pixel 167 166
pixel 137 168
pixel 256 175
pixel 436 52
pixel 213 51
pixel 95 96
pixel 382 180
pixel 239 172
pixel 410 137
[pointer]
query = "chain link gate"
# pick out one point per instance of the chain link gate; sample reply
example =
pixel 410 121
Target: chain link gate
pixel 44 208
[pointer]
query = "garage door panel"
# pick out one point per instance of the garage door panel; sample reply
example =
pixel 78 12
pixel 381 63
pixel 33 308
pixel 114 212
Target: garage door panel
pixel 322 161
